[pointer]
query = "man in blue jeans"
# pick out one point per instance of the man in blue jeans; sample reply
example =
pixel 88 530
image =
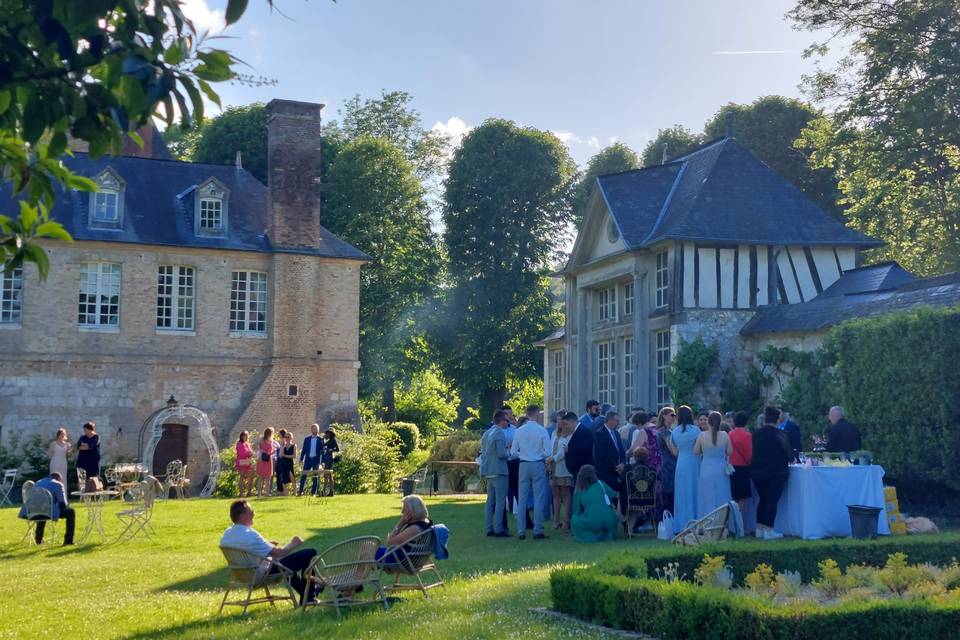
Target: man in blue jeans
pixel 310 454
pixel 493 467
pixel 531 445
pixel 54 484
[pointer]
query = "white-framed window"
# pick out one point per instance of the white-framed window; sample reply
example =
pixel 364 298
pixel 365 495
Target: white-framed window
pixel 106 207
pixel 176 300
pixel 662 281
pixel 106 203
pixel 556 363
pixel 607 304
pixel 11 296
pixel 99 303
pixel 211 215
pixel 628 298
pixel 628 375
pixel 248 302
pixel 606 372
pixel 663 361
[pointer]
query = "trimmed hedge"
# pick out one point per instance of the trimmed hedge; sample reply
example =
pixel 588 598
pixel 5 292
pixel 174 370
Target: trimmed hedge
pixel 795 555
pixel 685 611
pixel 617 593
pixel 409 435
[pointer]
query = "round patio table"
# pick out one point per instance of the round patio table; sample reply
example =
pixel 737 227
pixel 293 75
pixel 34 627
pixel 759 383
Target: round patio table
pixel 93 501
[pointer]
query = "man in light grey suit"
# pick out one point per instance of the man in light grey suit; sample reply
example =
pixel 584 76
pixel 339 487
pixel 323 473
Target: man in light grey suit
pixel 493 467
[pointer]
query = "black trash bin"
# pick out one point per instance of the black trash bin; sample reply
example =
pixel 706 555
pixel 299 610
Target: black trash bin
pixel 864 521
pixel 408 485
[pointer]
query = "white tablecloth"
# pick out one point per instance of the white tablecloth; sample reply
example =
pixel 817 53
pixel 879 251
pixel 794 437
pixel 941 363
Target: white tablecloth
pixel 814 502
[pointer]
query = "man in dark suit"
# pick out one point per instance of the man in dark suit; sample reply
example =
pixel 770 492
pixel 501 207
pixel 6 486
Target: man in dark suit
pixel 842 435
pixel 310 455
pixel 580 447
pixel 792 429
pixel 608 455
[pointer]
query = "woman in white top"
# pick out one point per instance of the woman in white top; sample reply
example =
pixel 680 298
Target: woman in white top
pixel 715 447
pixel 58 451
pixel 561 480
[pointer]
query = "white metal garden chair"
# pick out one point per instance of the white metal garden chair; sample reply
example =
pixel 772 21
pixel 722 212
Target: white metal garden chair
pixel 39 508
pixel 81 479
pixel 413 559
pixel 137 518
pixel 250 573
pixel 6 487
pixel 24 492
pixel 344 570
pixel 176 478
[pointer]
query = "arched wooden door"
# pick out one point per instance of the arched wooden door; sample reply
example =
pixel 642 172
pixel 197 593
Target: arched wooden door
pixel 172 446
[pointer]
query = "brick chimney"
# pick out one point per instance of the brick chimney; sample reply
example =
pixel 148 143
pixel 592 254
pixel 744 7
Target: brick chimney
pixel 293 173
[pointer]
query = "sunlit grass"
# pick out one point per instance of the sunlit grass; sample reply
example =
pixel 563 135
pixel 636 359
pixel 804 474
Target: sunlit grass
pixel 170 586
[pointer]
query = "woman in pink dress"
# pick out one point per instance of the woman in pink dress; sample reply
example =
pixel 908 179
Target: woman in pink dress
pixel 265 463
pixel 245 464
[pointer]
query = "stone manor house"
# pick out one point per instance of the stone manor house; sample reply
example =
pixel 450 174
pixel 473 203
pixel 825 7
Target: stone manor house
pixel 188 280
pixel 712 244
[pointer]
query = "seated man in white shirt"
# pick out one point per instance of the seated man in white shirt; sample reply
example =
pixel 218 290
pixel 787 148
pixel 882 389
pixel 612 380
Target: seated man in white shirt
pixel 243 536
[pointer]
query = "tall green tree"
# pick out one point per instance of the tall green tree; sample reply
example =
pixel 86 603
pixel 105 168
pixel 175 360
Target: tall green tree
pixel 376 202
pixel 769 126
pixel 96 71
pixel 507 202
pixel 242 129
pixel 613 159
pixel 677 140
pixel 894 134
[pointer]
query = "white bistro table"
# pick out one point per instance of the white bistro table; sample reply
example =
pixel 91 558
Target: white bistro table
pixel 814 501
pixel 93 501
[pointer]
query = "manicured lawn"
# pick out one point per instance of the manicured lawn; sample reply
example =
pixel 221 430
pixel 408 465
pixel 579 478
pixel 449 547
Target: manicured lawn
pixel 170 586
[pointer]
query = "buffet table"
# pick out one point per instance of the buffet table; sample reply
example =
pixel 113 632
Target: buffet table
pixel 814 502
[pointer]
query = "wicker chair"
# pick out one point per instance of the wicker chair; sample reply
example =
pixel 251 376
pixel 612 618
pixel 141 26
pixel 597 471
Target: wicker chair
pixel 252 573
pixel 640 486
pixel 137 518
pixel 344 570
pixel 415 559
pixel 6 486
pixel 710 528
pixel 39 506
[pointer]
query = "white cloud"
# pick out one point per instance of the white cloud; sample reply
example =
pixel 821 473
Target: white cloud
pixel 203 17
pixel 593 142
pixel 454 129
pixel 612 139
pixel 567 137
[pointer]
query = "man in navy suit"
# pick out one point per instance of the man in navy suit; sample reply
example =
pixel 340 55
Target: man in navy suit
pixel 580 447
pixel 310 454
pixel 792 429
pixel 609 458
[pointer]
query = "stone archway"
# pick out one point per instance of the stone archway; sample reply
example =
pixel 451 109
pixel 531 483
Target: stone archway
pixel 179 413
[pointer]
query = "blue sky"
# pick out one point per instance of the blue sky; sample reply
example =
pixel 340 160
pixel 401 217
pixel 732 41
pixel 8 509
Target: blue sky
pixel 591 71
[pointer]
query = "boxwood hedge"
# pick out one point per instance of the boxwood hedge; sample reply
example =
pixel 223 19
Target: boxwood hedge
pixel 616 593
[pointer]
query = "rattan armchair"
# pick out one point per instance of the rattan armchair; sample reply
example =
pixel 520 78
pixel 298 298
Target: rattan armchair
pixel 413 559
pixel 345 570
pixel 247 572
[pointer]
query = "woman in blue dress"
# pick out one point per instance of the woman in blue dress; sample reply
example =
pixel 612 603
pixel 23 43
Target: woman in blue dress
pixel 715 447
pixel 687 476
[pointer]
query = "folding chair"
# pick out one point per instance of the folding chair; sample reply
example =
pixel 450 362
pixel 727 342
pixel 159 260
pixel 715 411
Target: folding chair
pixel 39 508
pixel 137 518
pixel 710 528
pixel 413 558
pixel 6 487
pixel 250 572
pixel 342 570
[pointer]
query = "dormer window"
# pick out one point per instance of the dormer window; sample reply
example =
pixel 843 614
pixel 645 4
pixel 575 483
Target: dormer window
pixel 106 203
pixel 211 210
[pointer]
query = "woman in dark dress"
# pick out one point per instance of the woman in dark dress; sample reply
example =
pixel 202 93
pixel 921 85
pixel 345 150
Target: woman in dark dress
pixel 88 451
pixel 668 462
pixel 769 470
pixel 288 452
pixel 331 453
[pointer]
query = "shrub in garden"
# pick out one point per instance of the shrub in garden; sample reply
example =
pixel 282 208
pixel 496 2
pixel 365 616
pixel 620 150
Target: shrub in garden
pixel 428 402
pixel 832 581
pixel 228 482
pixel 409 435
pixel 28 456
pixel 714 572
pixel 761 580
pixel 369 462
pixel 475 424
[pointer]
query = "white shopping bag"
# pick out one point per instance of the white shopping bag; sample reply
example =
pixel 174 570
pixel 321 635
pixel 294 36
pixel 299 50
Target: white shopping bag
pixel 665 528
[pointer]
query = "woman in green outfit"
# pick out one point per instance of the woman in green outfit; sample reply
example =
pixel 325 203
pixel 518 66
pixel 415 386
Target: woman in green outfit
pixel 594 520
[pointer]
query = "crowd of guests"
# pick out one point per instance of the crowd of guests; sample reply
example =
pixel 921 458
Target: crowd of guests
pixel 575 468
pixel 275 460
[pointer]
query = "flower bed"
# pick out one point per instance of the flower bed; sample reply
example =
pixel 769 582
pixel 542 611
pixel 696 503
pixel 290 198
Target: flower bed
pixel 871 592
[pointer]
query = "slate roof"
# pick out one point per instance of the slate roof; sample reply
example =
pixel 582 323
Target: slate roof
pixel 159 206
pixel 720 192
pixel 553 337
pixel 859 293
